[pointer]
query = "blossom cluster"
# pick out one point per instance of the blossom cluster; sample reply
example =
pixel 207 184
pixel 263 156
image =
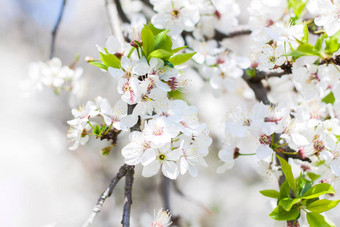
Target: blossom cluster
pixel 170 136
pixel 55 75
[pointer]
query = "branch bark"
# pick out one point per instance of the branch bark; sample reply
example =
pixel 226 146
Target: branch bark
pixel 128 196
pixel 165 192
pixel 55 29
pixel 107 193
pixel 121 12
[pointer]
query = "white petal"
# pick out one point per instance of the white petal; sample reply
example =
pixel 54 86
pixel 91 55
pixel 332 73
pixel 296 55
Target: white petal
pixel 263 151
pixel 151 169
pixel 148 156
pixel 170 170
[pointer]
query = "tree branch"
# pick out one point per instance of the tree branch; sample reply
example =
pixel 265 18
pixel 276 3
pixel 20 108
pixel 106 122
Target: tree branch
pixel 128 196
pixel 165 192
pixel 55 29
pixel 107 193
pixel 121 12
pixel 219 36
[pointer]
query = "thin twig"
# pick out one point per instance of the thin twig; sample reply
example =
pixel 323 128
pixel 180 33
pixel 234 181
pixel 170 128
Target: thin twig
pixel 55 29
pixel 107 193
pixel 121 12
pixel 128 196
pixel 147 3
pixel 220 36
pixel 165 192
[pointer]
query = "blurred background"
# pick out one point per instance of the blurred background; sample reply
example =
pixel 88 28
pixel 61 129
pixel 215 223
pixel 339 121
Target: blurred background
pixel 42 183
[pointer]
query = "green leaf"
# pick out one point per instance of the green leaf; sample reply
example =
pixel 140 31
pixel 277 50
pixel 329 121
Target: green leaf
pixel 96 130
pixel 318 190
pixel 270 193
pixel 329 98
pixel 332 45
pixel 317 220
pixel 168 64
pixel 313 176
pixel 148 40
pixel 176 94
pixel 163 41
pixel 297 6
pixel 280 214
pixel 285 190
pixel 251 72
pixel 110 60
pixel 318 44
pixel 99 65
pixel 106 150
pixel 305 34
pixel 322 205
pixel 160 53
pixel 304 50
pixel 287 203
pixel 178 49
pixel 287 171
pixel 155 31
pixel 181 58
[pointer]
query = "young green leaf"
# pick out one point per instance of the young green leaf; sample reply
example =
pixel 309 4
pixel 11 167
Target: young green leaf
pixel 332 45
pixel 270 193
pixel 317 220
pixel 110 60
pixel 148 40
pixel 285 190
pixel 305 34
pixel 96 130
pixel 287 203
pixel 317 190
pixel 181 58
pixel 155 31
pixel 280 214
pixel 163 41
pixel 322 205
pixel 329 98
pixel 178 49
pixel 99 65
pixel 160 53
pixel 318 44
pixel 287 171
pixel 313 176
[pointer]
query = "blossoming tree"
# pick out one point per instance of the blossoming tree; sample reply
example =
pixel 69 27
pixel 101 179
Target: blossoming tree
pixel 288 85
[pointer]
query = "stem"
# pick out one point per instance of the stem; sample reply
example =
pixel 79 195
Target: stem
pixel 165 192
pixel 55 29
pixel 241 154
pixel 128 197
pixel 90 124
pixel 121 12
pixel 131 51
pixel 107 193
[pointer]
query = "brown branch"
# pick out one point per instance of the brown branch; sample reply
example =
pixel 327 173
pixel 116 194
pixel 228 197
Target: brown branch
pixel 219 36
pixel 165 192
pixel 147 3
pixel 107 193
pixel 121 12
pixel 128 196
pixel 55 29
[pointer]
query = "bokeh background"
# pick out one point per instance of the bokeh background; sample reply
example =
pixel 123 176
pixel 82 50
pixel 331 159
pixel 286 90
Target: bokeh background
pixel 42 183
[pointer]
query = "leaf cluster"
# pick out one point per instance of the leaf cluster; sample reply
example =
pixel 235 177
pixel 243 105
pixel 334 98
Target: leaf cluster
pixel 300 194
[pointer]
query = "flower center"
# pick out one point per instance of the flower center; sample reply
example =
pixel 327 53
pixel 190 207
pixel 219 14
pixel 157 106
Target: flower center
pixel 161 157
pixel 158 132
pixel 175 13
pixel 265 140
